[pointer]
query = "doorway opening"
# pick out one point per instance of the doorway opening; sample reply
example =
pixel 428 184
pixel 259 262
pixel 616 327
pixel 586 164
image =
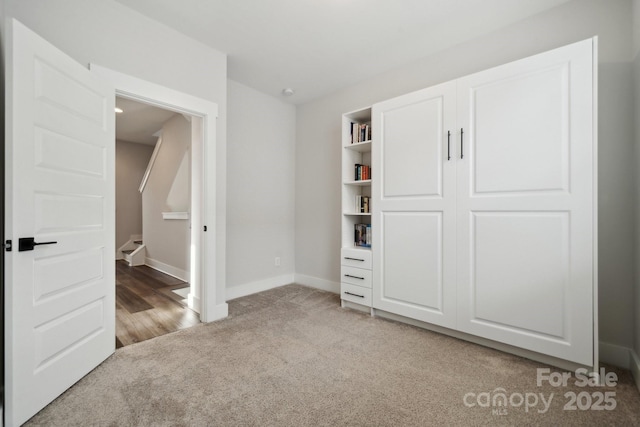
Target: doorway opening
pixel 208 221
pixel 154 201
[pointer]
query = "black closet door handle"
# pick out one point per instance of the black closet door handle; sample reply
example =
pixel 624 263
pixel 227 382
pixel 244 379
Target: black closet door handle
pixel 461 143
pixel 448 145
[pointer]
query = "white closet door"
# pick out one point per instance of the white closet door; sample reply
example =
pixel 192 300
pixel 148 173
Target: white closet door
pixel 414 205
pixel 526 203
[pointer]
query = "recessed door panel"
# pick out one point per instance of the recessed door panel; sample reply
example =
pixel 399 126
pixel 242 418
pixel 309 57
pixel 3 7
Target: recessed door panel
pixel 412 259
pixel 411 147
pixel 64 213
pixel 57 274
pixel 521 270
pixel 67 155
pixel 520 133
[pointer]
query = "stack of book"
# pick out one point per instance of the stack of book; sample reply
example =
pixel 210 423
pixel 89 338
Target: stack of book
pixel 362 172
pixel 362 235
pixel 360 132
pixel 362 204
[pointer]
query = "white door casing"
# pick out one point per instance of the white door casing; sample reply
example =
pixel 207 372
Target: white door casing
pixel 526 197
pixel 207 269
pixel 60 298
pixel 414 209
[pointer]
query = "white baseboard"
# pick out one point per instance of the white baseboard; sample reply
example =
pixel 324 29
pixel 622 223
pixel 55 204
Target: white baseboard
pixel 315 282
pixel 614 354
pixel 219 312
pixel 234 292
pixel 167 269
pixel 194 302
pixel 634 361
pixel 622 357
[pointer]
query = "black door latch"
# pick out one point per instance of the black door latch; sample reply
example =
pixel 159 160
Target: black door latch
pixel 28 243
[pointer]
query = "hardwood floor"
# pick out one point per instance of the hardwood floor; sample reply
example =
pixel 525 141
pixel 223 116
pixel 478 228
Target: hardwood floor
pixel 146 307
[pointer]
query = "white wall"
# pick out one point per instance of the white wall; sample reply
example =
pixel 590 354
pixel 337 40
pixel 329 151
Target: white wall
pixel 318 142
pixel 168 190
pixel 260 194
pixel 131 163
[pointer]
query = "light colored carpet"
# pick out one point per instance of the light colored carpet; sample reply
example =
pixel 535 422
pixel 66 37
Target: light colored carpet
pixel 292 357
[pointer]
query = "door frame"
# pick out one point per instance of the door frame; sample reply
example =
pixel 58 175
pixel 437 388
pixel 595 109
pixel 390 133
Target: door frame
pixel 207 264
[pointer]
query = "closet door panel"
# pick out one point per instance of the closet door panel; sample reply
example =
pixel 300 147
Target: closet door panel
pixel 412 259
pixel 414 205
pixel 521 133
pixel 521 268
pixel 412 150
pixel 525 203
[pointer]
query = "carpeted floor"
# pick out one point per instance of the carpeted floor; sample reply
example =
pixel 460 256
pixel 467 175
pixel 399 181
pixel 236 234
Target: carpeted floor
pixel 292 357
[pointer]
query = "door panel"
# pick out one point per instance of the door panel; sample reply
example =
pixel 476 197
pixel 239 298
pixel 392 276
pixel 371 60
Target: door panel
pixel 414 213
pixel 406 129
pixel 412 259
pixel 521 133
pixel 60 188
pixel 520 271
pixel 525 204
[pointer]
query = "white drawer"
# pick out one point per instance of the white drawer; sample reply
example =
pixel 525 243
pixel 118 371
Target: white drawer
pixel 356 294
pixel 360 258
pixel 356 276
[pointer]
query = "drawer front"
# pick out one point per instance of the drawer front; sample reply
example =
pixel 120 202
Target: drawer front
pixel 356 294
pixel 356 276
pixel 360 258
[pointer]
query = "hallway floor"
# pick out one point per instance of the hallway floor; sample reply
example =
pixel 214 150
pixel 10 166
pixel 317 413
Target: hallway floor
pixel 146 307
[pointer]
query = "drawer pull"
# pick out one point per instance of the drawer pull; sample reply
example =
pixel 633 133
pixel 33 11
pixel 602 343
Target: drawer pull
pixel 354 259
pixel 354 295
pixel 354 277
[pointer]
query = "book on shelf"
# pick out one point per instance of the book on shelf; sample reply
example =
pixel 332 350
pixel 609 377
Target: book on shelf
pixel 362 172
pixel 362 235
pixel 360 132
pixel 363 204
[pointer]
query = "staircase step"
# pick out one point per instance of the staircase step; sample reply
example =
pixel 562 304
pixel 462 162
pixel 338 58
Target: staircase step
pixel 128 252
pixel 137 242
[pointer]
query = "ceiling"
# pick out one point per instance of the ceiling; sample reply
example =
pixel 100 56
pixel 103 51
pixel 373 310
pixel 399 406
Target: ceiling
pixel 139 122
pixel 319 46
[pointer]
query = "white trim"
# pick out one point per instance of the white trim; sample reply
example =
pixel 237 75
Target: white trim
pixel 175 215
pixel 622 357
pixel 614 354
pixel 234 292
pixel 634 361
pixel 596 323
pixel 167 269
pixel 194 302
pixel 316 282
pixel 518 351
pixel 211 256
pixel 152 161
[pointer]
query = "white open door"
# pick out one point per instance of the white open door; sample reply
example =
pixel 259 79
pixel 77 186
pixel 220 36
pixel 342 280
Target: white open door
pixel 60 297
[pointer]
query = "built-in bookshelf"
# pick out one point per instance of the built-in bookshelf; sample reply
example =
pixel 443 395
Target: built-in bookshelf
pixel 357 176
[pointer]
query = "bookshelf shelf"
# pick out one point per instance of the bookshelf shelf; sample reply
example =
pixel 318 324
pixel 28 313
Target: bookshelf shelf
pixel 362 182
pixel 361 147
